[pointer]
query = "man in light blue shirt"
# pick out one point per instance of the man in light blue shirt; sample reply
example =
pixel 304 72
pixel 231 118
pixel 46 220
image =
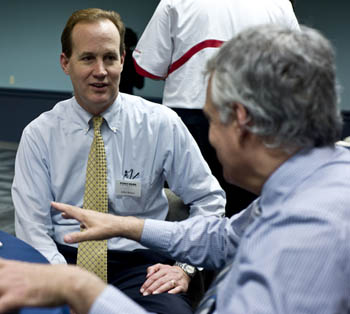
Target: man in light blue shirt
pixel 146 144
pixel 272 107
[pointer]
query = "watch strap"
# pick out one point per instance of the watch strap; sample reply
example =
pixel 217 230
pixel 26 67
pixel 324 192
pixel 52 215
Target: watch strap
pixel 189 270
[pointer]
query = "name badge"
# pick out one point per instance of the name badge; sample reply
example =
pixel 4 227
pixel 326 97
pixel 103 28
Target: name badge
pixel 129 188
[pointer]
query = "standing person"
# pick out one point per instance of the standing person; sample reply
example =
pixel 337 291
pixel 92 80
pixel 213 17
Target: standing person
pixel 139 145
pixel 130 77
pixel 177 42
pixel 272 93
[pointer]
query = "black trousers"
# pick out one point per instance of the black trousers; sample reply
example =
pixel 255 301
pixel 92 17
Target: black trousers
pixel 127 271
pixel 236 197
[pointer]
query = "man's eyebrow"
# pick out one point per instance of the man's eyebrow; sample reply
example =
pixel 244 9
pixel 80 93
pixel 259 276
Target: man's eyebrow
pixel 112 53
pixel 86 53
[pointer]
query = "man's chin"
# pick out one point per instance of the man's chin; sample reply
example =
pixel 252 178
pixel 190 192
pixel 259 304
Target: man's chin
pixel 101 101
pixel 96 107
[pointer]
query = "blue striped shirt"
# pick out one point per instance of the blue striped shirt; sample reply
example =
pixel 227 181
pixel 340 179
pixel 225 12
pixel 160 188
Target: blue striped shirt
pixel 290 250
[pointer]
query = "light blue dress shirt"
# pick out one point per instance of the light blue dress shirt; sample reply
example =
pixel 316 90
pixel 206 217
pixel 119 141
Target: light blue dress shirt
pixel 145 143
pixel 290 249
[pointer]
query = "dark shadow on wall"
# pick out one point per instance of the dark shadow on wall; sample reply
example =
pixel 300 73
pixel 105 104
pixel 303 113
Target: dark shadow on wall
pixel 130 78
pixel 21 106
pixel 346 126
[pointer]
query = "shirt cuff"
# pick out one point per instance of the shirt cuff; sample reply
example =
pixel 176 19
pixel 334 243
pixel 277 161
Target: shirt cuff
pixel 157 234
pixel 112 300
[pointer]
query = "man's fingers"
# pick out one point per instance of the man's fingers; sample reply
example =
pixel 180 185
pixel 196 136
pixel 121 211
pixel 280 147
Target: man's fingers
pixel 147 284
pixel 158 285
pixel 76 237
pixel 176 290
pixel 152 269
pixel 169 286
pixel 68 211
pixel 164 278
pixel 66 216
pixel 153 274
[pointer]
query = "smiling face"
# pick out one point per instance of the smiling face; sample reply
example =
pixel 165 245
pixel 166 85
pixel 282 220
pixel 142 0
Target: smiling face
pixel 95 64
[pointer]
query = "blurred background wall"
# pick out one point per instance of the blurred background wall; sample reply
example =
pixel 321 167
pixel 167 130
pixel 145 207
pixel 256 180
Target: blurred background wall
pixel 30 47
pixel 30 44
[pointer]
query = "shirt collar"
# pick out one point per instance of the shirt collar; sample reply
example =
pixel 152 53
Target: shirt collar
pixel 111 115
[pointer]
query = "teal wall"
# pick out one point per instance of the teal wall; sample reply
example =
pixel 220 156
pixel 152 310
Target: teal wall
pixel 332 18
pixel 30 38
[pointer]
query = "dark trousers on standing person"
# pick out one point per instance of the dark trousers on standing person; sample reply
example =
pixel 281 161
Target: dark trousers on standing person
pixel 127 271
pixel 237 198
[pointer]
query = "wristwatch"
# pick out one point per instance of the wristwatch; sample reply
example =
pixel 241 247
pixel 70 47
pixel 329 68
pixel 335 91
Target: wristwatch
pixel 189 270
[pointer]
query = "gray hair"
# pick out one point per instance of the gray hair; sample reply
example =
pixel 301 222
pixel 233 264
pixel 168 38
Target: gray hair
pixel 286 81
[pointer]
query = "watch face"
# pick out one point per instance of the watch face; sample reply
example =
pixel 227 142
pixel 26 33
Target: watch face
pixel 190 269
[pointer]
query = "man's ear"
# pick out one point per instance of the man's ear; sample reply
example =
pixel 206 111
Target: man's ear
pixel 64 60
pixel 122 59
pixel 240 121
pixel 241 114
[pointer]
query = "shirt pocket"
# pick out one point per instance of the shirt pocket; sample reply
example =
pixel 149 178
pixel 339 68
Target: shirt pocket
pixel 133 196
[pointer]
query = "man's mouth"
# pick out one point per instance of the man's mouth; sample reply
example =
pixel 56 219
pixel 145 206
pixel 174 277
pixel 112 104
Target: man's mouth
pixel 99 85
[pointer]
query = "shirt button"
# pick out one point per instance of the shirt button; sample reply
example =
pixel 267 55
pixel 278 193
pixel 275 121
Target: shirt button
pixel 257 210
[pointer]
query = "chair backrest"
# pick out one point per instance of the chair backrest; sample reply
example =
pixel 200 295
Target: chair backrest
pixel 177 209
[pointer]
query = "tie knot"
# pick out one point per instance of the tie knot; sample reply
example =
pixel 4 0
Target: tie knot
pixel 97 121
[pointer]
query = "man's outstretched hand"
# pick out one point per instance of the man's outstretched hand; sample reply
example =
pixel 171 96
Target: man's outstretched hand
pixel 99 226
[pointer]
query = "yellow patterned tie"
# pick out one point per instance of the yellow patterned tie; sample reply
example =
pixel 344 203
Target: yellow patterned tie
pixel 92 255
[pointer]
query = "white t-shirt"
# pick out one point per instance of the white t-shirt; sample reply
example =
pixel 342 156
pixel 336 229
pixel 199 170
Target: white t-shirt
pixel 182 35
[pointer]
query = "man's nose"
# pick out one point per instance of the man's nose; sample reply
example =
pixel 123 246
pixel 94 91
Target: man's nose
pixel 100 69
